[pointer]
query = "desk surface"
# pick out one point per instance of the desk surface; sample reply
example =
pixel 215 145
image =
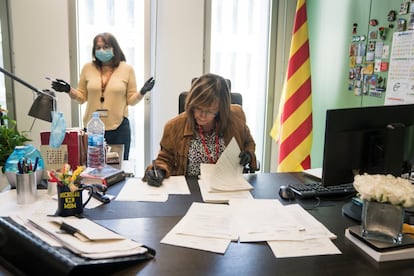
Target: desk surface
pixel 148 223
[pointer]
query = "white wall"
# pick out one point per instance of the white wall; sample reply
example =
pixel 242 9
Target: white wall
pixel 39 31
pixel 178 58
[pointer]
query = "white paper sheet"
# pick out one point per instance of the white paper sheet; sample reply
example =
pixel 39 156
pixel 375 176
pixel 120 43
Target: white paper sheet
pixel 227 173
pixel 311 247
pixel 206 227
pixel 220 197
pixel 135 189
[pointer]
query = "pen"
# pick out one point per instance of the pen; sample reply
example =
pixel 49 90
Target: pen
pixel 52 79
pixel 35 164
pixel 154 168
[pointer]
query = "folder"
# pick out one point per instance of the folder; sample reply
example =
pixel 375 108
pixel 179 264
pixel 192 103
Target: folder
pixel 37 257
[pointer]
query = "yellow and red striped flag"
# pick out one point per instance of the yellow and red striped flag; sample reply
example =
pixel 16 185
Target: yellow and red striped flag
pixel 293 126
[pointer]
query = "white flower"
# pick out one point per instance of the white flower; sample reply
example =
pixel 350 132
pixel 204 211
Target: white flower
pixel 385 188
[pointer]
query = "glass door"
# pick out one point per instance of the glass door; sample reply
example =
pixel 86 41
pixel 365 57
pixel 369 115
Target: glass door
pixel 125 20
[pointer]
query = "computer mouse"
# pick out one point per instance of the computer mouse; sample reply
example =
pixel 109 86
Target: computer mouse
pixel 286 193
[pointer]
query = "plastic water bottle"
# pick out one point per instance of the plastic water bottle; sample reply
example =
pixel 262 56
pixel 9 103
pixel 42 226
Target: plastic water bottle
pixel 96 146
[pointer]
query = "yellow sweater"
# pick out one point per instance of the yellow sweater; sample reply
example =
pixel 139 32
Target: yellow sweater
pixel 120 91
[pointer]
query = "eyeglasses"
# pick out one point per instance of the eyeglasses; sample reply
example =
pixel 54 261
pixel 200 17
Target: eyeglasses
pixel 206 112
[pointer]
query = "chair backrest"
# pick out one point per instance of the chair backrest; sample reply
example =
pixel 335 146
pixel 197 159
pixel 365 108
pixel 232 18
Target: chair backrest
pixel 236 98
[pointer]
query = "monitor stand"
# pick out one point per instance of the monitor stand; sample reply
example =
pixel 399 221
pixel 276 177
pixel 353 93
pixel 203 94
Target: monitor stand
pixel 352 210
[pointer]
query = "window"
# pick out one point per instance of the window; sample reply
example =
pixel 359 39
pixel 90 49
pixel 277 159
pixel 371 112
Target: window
pixel 125 21
pixel 239 39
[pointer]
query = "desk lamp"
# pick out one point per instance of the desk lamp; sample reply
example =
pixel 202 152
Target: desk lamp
pixel 44 103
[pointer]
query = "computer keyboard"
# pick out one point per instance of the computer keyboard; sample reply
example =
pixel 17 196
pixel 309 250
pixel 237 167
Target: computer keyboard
pixel 316 189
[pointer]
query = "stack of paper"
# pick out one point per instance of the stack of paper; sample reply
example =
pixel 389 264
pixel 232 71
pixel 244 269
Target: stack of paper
pixel 290 231
pixel 206 227
pixel 224 180
pixel 83 237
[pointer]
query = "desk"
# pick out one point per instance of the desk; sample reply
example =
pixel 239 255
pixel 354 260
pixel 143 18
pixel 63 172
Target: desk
pixel 150 222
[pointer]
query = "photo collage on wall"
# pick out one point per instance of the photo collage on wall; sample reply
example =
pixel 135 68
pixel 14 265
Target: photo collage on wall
pixel 369 54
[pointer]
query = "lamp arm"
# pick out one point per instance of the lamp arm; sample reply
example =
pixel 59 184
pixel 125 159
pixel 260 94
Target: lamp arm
pixel 14 77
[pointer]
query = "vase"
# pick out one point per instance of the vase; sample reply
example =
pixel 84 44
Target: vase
pixel 382 222
pixel 69 202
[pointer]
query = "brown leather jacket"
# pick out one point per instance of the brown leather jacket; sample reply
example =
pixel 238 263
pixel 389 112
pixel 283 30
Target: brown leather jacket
pixel 177 136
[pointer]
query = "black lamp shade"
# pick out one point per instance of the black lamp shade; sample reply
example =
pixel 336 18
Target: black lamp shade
pixel 43 106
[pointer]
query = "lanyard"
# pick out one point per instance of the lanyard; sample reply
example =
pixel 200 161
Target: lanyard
pixel 203 140
pixel 103 86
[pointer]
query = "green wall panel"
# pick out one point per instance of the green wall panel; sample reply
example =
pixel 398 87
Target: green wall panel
pixel 330 25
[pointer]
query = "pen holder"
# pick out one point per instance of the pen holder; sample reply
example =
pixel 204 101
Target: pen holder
pixel 69 202
pixel 26 187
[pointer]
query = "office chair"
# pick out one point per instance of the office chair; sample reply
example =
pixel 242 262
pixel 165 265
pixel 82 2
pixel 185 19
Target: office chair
pixel 236 98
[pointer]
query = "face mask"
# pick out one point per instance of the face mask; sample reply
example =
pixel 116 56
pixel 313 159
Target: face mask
pixel 58 130
pixel 104 55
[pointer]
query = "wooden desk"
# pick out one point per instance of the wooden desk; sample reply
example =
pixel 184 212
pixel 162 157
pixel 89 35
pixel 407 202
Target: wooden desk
pixel 150 222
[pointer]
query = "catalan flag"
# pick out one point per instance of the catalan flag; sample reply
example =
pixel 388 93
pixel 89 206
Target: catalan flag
pixel 293 126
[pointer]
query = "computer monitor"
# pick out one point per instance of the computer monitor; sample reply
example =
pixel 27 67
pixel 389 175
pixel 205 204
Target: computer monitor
pixel 375 140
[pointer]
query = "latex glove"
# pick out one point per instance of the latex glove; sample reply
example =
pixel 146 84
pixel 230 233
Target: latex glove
pixel 148 85
pixel 155 179
pixel 61 86
pixel 245 158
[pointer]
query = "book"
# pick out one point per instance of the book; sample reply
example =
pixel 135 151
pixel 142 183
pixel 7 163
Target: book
pixel 107 175
pixel 381 256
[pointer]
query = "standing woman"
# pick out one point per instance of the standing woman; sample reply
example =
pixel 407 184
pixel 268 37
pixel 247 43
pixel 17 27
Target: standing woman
pixel 201 133
pixel 108 85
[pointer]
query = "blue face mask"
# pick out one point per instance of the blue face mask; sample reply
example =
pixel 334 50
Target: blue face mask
pixel 104 55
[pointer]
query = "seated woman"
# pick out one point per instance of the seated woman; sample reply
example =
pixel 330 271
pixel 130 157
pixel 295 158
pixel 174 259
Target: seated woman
pixel 201 133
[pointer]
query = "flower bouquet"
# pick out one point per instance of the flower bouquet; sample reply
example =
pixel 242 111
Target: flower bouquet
pixel 385 189
pixel 69 190
pixel 66 177
pixel 384 199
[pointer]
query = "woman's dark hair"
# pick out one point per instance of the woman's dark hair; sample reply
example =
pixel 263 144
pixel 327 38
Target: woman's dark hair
pixel 205 91
pixel 110 40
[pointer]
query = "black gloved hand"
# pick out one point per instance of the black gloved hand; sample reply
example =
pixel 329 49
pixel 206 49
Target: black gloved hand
pixel 61 86
pixel 155 179
pixel 148 85
pixel 245 158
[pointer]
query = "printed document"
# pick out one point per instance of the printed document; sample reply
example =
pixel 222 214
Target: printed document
pixel 205 226
pixel 227 174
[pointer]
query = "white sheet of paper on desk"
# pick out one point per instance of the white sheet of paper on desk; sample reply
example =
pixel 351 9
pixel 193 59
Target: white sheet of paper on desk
pixel 208 220
pixel 264 219
pixel 227 173
pixel 220 197
pixel 267 219
pixel 311 247
pixel 206 227
pixel 135 189
pixel 176 185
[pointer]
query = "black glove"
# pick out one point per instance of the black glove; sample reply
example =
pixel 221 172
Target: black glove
pixel 61 86
pixel 245 158
pixel 148 85
pixel 155 179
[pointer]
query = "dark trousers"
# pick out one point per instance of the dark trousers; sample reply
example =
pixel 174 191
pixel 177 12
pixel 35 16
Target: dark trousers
pixel 121 135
